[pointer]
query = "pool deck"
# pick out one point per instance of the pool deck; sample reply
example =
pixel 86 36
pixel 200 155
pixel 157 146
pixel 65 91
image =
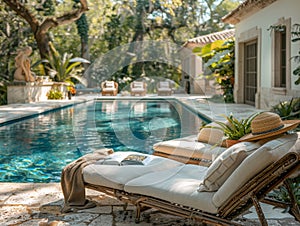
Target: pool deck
pixel 29 204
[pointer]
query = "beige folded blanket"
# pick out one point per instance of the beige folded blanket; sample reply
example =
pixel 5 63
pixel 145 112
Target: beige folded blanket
pixel 72 183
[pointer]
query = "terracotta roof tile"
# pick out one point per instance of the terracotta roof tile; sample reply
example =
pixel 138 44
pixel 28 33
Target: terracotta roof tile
pixel 205 39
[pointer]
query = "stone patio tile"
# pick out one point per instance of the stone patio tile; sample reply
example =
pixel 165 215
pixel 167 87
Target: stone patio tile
pixel 9 189
pixel 125 217
pixel 79 217
pixel 102 220
pixel 269 212
pixel 35 222
pixel 47 209
pixel 35 194
pixel 13 215
pixel 130 224
pixel 98 210
pixel 105 200
pixel 121 208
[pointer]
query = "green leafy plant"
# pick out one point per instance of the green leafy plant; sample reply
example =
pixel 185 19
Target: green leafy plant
pixel 281 193
pixel 3 89
pixel 219 59
pixel 63 67
pixel 55 94
pixel 288 109
pixel 234 128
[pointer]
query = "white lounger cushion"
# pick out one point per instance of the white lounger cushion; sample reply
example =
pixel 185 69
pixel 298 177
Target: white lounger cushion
pixel 137 89
pixel 109 89
pixel 223 166
pixel 178 185
pixel 164 89
pixel 115 176
pixel 254 163
pixel 189 148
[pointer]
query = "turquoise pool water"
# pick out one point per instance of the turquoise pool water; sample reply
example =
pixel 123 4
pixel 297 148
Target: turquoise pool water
pixel 37 149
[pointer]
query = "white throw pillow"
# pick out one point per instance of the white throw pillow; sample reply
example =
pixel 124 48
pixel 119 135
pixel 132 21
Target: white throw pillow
pixel 211 136
pixel 225 164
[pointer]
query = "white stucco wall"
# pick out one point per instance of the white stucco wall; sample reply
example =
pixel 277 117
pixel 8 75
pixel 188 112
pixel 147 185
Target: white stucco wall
pixel 263 19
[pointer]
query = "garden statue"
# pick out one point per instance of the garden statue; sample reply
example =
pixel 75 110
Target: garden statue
pixel 22 63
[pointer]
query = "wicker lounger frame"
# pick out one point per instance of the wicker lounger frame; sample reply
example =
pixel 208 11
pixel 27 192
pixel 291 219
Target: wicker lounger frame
pixel 249 195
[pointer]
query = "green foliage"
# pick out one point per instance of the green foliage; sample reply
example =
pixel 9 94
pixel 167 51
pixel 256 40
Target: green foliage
pixel 82 25
pixel 288 109
pixel 14 35
pixel 296 38
pixel 3 90
pixel 234 129
pixel 83 28
pixel 63 67
pixel 46 7
pixel 110 24
pixel 281 193
pixel 219 59
pixel 55 94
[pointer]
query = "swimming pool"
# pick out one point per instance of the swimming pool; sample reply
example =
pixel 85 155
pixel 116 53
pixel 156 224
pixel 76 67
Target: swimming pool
pixel 37 149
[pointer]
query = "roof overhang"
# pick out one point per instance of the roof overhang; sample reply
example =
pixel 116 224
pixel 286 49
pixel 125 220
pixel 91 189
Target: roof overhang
pixel 206 39
pixel 245 10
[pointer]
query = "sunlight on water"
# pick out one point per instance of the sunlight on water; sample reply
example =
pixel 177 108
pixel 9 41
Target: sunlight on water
pixel 37 149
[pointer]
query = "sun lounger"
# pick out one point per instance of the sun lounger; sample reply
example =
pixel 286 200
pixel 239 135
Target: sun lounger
pixel 164 88
pixel 138 88
pixel 109 88
pixel 237 179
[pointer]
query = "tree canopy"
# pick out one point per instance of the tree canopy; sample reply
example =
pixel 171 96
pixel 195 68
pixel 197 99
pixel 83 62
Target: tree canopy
pixel 102 26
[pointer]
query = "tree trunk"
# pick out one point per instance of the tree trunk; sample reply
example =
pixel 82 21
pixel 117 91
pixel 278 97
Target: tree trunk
pixel 40 30
pixel 42 42
pixel 85 52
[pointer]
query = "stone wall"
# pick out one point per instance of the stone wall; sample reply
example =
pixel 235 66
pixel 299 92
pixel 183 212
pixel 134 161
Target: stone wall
pixel 268 99
pixel 27 92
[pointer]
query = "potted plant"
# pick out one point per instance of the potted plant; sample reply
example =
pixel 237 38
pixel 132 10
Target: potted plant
pixel 234 128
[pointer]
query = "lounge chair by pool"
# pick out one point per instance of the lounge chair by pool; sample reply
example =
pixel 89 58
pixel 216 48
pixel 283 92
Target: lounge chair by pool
pixel 164 88
pixel 109 88
pixel 138 88
pixel 237 179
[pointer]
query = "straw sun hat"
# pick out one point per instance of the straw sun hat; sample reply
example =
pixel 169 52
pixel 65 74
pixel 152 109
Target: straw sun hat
pixel 268 124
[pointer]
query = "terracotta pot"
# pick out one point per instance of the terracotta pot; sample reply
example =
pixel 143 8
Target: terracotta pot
pixel 229 143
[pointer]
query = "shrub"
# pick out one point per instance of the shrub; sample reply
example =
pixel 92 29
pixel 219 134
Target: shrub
pixel 55 94
pixel 288 109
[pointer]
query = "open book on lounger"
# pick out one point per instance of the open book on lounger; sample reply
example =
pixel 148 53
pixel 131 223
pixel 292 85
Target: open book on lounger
pixel 126 158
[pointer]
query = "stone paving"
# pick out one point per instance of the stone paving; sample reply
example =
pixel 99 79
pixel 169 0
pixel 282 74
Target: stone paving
pixel 30 204
pixel 39 204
